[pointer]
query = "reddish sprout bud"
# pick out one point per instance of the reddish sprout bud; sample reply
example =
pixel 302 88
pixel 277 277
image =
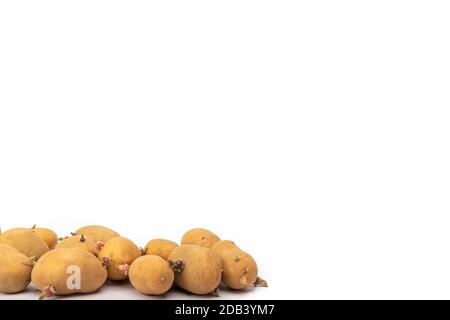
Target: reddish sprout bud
pixel 99 245
pixel 106 261
pixel 47 292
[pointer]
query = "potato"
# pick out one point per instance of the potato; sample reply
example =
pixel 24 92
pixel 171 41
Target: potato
pixel 160 247
pixel 117 255
pixel 197 269
pixel 79 242
pixel 15 269
pixel 98 233
pixel 26 241
pixel 200 237
pixel 239 268
pixel 68 271
pixel 151 275
pixel 49 236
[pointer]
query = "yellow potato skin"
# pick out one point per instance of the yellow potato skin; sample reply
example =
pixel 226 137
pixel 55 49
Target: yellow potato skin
pixel 200 237
pixel 51 270
pixel 49 236
pixel 97 233
pixel 239 268
pixel 15 270
pixel 160 247
pixel 151 275
pixel 121 252
pixel 26 241
pixel 76 242
pixel 202 270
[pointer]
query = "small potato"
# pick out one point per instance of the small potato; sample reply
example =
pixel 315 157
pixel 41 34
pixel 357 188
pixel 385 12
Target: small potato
pixel 160 247
pixel 79 242
pixel 200 237
pixel 15 269
pixel 68 271
pixel 151 275
pixel 117 255
pixel 26 241
pixel 239 268
pixel 49 236
pixel 98 233
pixel 197 269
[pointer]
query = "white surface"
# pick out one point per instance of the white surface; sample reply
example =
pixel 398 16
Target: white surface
pixel 313 133
pixel 124 291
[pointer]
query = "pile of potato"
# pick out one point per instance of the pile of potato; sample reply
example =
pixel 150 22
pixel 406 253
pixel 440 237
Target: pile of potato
pixel 97 253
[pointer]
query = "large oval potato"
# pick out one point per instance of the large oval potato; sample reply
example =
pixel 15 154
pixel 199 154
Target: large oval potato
pixel 49 236
pixel 68 271
pixel 117 255
pixel 26 241
pixel 200 237
pixel 98 233
pixel 239 268
pixel 79 242
pixel 197 269
pixel 15 269
pixel 151 275
pixel 160 247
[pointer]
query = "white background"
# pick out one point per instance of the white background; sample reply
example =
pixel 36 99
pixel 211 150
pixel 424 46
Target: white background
pixel 313 133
